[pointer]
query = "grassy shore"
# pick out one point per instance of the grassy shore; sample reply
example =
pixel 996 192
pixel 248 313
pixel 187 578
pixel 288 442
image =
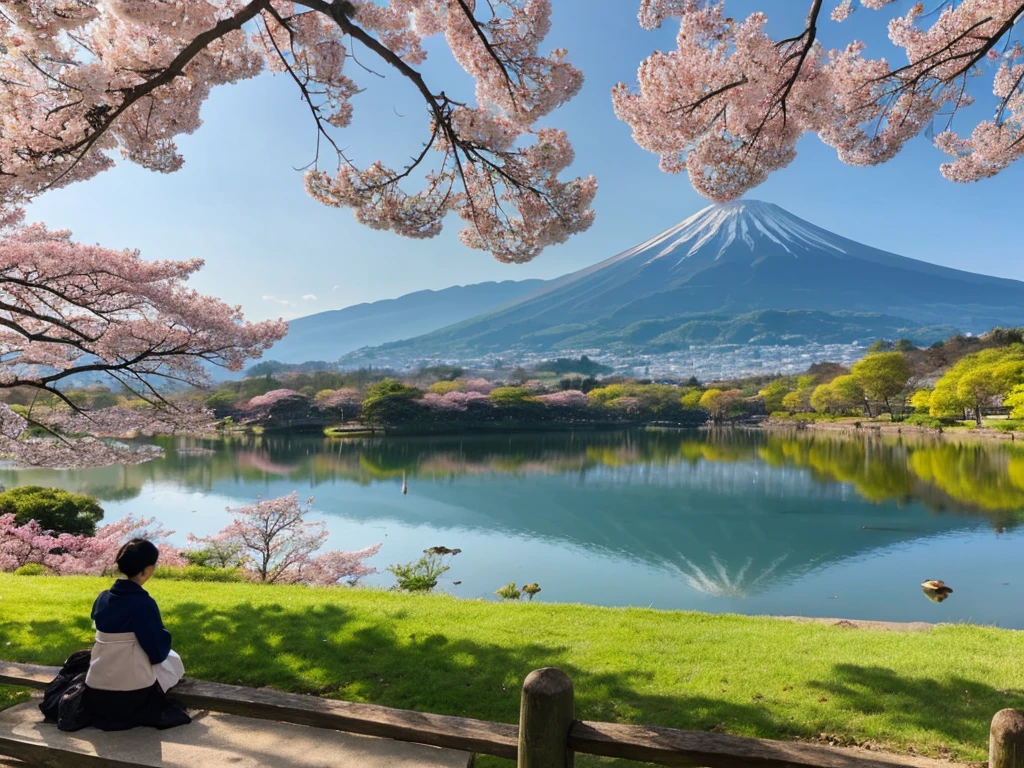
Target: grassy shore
pixel 931 692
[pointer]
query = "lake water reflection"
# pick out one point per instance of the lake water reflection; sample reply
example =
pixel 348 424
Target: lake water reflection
pixel 732 521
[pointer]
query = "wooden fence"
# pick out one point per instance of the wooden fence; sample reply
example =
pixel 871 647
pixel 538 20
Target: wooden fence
pixel 548 734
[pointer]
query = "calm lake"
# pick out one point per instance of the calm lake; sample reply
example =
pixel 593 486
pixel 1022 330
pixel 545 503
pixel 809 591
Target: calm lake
pixel 732 521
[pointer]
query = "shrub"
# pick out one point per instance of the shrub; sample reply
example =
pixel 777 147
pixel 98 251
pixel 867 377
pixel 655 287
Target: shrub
pixel 509 592
pixel 422 575
pixel 199 573
pixel 33 569
pixel 54 509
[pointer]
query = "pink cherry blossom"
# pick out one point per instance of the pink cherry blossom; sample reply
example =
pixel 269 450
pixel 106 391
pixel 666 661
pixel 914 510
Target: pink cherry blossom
pixel 67 554
pixel 80 79
pixel 453 401
pixel 73 309
pixel 278 546
pixel 570 398
pixel 730 103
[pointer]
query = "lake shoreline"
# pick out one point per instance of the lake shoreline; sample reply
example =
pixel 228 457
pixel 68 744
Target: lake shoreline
pixel 874 429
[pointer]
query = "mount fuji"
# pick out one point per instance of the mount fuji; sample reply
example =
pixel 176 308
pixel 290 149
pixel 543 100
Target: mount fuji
pixel 743 272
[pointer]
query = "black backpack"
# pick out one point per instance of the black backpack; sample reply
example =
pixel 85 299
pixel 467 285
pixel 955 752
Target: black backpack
pixel 72 673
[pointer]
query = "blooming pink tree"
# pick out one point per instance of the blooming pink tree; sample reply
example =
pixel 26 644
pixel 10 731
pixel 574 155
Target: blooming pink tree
pixel 278 546
pixel 79 78
pixel 569 398
pixel 68 310
pixel 453 401
pixel 67 554
pixel 729 104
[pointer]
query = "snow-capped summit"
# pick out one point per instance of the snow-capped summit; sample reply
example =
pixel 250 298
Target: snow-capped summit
pixel 748 223
pixel 730 260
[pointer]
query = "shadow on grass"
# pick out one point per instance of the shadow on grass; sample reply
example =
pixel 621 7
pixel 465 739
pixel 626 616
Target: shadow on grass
pixel 958 709
pixel 334 651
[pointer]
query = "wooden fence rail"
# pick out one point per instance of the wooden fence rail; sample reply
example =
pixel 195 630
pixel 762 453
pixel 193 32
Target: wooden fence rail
pixel 548 734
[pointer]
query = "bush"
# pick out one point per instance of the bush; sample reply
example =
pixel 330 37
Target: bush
pixel 54 509
pixel 199 573
pixel 924 420
pixel 32 569
pixel 422 575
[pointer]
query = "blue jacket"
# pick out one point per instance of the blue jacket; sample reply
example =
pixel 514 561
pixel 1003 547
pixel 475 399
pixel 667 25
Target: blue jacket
pixel 127 607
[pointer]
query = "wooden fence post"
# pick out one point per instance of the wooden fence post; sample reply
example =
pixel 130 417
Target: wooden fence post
pixel 1005 743
pixel 546 714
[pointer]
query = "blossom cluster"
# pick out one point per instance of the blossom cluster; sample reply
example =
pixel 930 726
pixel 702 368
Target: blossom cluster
pixel 66 554
pixel 80 79
pixel 730 103
pixel 71 308
pixel 276 545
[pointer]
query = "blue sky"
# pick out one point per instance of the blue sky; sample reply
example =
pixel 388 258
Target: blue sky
pixel 239 204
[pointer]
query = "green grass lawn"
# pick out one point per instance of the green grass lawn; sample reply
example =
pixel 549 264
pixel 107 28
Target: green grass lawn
pixel 933 692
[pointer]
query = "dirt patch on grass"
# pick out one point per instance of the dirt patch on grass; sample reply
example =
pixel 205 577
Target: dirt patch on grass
pixel 883 626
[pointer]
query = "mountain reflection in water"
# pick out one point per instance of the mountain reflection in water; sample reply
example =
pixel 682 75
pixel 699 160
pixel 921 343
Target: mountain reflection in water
pixel 729 515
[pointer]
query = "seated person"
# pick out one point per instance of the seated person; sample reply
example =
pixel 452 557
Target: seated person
pixel 132 665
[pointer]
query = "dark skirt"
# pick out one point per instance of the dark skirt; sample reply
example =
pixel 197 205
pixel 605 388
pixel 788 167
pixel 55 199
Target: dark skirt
pixel 72 704
pixel 121 710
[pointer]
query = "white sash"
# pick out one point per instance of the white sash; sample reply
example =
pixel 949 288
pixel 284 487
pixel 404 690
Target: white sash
pixel 119 663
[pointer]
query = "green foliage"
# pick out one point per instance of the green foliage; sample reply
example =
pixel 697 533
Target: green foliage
pixel 222 400
pixel 582 365
pixel 882 345
pixel 882 376
pixel 722 404
pixel 924 420
pixel 444 387
pixel 53 508
pixel 841 395
pixel 921 401
pixel 440 372
pixel 204 573
pixel 509 396
pixel 32 569
pixel 581 383
pixel 773 393
pixel 977 379
pixel 422 575
pixel 793 402
pixel 390 401
pixel 530 590
pixel 1015 401
pixel 509 592
pixel 691 399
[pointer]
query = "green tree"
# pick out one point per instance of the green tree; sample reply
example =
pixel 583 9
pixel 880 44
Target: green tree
pixel 54 509
pixel 1015 400
pixel 390 401
pixel 692 398
pixel 882 376
pixel 822 399
pixel 721 404
pixel 773 392
pixel 976 379
pixel 921 401
pixel 509 396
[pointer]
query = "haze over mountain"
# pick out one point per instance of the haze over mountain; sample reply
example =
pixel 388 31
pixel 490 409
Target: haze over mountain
pixel 736 270
pixel 329 335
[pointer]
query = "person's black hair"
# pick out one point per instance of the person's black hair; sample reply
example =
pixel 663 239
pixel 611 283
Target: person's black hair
pixel 136 556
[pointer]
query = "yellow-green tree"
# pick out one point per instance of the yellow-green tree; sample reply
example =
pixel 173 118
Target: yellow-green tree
pixel 720 403
pixel 1015 400
pixel 841 395
pixel 976 380
pixel 921 400
pixel 773 392
pixel 882 376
